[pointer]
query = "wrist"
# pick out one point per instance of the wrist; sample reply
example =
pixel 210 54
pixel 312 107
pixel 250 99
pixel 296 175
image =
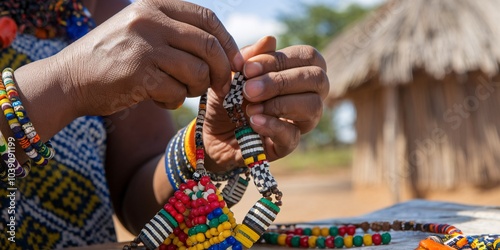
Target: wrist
pixel 41 87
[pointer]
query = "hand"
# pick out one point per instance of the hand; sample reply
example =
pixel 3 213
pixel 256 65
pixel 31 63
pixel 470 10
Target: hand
pixel 284 93
pixel 160 50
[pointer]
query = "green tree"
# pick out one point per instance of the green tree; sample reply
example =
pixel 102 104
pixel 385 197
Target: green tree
pixel 317 26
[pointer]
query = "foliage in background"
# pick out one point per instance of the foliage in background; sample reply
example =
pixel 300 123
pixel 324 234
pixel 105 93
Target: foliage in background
pixel 317 27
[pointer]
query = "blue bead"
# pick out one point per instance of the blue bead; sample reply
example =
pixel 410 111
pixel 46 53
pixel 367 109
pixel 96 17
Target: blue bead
pixel 231 240
pixel 217 212
pixel 237 246
pixel 210 216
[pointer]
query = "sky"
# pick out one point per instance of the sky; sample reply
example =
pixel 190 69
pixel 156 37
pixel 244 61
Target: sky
pixel 247 21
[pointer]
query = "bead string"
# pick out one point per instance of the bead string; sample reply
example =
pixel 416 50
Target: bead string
pixel 197 215
pixel 250 142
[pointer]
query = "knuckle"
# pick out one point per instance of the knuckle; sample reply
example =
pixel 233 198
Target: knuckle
pixel 211 46
pixel 203 73
pixel 313 56
pixel 281 81
pixel 209 19
pixel 319 79
pixel 280 61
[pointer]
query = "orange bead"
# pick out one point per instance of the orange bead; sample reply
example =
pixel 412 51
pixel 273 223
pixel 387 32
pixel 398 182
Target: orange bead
pixel 429 244
pixel 8 30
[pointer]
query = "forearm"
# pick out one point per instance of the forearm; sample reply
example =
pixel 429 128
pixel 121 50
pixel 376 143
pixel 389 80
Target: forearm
pixel 148 190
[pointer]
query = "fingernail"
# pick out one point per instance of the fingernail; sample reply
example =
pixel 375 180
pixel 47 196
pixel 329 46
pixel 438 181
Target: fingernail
pixel 252 69
pixel 238 62
pixel 258 120
pixel 254 109
pixel 253 88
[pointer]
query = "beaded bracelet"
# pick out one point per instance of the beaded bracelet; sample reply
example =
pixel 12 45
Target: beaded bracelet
pixel 313 241
pixel 45 150
pixel 16 128
pixel 176 163
pixel 10 162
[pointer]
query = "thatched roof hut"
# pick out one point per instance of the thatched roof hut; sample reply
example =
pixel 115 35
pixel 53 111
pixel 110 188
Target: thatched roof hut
pixel 423 76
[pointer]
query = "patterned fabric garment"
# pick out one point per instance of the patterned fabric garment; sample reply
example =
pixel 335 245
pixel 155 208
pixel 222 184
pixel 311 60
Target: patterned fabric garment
pixel 65 203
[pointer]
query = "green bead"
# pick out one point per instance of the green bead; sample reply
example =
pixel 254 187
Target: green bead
pixel 320 242
pixel 274 238
pixel 213 223
pixel 295 241
pixel 386 238
pixel 266 237
pixel 223 217
pixel 357 240
pixel 202 228
pixel 339 242
pixel 191 231
pixel 199 194
pixel 307 231
pixel 334 231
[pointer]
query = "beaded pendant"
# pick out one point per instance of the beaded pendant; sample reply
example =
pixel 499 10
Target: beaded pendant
pixel 197 216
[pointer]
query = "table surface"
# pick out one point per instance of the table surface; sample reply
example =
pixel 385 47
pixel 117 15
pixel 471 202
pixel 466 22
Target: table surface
pixel 470 219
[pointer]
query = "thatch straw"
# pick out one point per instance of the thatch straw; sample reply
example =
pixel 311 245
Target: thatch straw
pixel 439 36
pixel 437 62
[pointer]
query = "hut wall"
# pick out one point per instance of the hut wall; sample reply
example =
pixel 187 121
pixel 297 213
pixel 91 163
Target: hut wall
pixel 448 133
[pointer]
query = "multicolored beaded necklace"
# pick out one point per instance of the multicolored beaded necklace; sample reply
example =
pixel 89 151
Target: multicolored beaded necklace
pixel 43 19
pixel 197 216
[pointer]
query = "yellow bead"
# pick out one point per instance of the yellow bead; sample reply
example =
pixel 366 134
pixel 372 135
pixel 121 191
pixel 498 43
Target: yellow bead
pixel 226 225
pixel 282 239
pixel 316 231
pixel 226 233
pixel 182 226
pixel 200 237
pixel 189 242
pixel 367 240
pixel 192 238
pixel 312 241
pixel 248 161
pixel 182 248
pixel 208 235
pixel 325 231
pixel 167 241
pixel 213 231
pixel 348 241
pixel 186 230
pixel 176 240
pixel 220 228
pixel 226 210
pixel 243 240
pixel 216 240
pixel 206 244
pixel 261 157
pixel 200 247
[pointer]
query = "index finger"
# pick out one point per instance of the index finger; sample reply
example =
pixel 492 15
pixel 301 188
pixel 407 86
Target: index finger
pixel 206 20
pixel 287 58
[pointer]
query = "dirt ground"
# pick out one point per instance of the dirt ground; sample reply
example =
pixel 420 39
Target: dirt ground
pixel 316 196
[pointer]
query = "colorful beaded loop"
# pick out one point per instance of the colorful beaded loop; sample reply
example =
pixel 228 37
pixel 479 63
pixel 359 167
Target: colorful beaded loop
pixel 20 124
pixel 197 216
